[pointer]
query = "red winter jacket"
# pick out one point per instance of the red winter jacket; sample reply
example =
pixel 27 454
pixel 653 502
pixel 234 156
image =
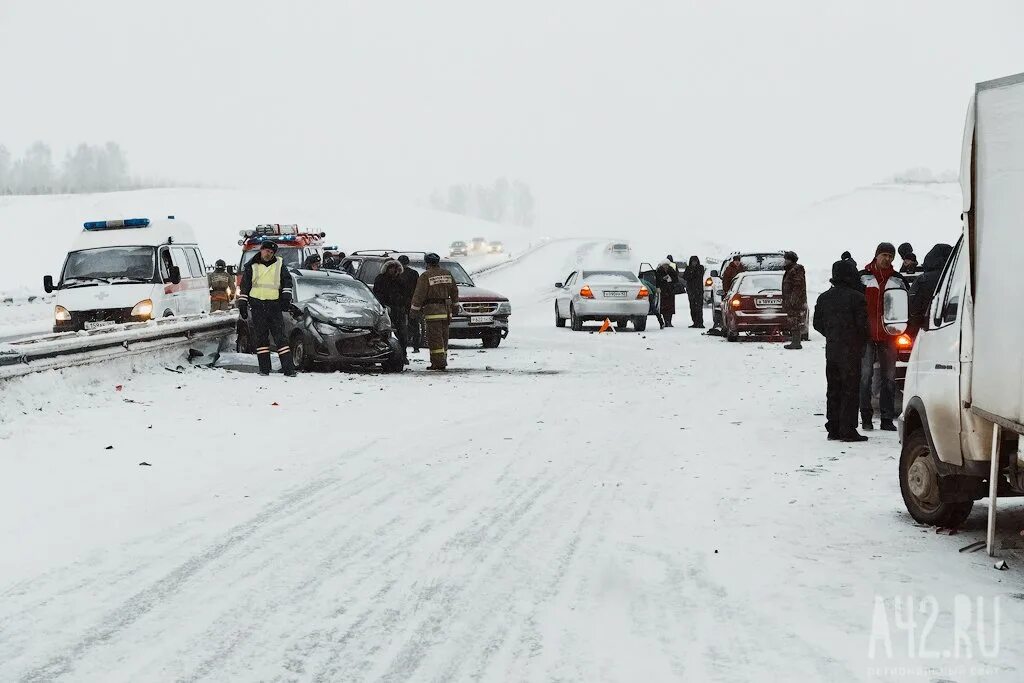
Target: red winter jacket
pixel 876 281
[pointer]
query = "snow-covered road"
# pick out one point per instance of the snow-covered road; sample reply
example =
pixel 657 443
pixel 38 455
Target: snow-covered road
pixel 570 506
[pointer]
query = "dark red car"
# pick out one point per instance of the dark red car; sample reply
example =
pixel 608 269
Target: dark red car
pixel 753 305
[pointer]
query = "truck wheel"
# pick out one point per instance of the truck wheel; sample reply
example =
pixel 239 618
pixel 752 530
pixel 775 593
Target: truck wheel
pixel 574 320
pixel 492 340
pixel 919 484
pixel 640 323
pixel 301 355
pixel 559 320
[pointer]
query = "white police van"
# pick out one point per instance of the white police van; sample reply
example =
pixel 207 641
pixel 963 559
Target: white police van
pixel 132 270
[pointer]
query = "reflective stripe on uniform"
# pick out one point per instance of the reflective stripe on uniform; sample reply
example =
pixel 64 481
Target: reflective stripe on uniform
pixel 266 281
pixel 439 316
pixel 263 349
pixel 284 349
pixel 433 351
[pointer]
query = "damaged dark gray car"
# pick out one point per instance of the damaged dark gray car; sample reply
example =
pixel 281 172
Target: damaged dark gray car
pixel 334 320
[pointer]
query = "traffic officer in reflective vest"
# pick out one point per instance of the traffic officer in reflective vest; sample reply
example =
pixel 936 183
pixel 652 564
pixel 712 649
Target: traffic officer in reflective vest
pixel 435 299
pixel 267 289
pixel 220 287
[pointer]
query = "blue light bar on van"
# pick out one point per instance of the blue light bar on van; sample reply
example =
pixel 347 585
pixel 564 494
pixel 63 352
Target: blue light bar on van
pixel 116 224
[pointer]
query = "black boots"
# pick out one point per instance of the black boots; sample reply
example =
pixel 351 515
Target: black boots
pixel 287 366
pixel 668 320
pixel 264 360
pixel 888 426
pixel 795 343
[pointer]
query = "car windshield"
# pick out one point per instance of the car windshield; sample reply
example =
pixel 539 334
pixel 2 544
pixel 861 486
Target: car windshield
pixel 109 263
pixel 458 244
pixel 761 283
pixel 610 276
pixel 457 271
pixel 333 287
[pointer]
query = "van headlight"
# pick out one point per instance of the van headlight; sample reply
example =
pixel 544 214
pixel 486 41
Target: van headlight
pixel 504 308
pixel 143 309
pixel 61 314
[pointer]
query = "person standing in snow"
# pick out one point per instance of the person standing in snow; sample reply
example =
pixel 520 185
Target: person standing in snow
pixel 436 296
pixel 220 287
pixel 389 289
pixel 840 315
pixel 668 281
pixel 409 279
pixel 267 289
pixel 734 268
pixel 693 277
pixel 909 264
pixel 877 277
pixel 794 298
pixel 923 289
pixel 312 262
pixel 650 280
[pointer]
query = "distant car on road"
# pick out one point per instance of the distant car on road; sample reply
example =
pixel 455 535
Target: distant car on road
pixel 496 247
pixel 598 294
pixel 478 244
pixel 458 248
pixel 336 320
pixel 619 250
pixel 753 305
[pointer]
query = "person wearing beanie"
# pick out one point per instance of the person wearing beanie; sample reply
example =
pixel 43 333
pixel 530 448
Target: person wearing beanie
pixel 876 278
pixel 840 315
pixel 267 290
pixel 794 298
pixel 846 256
pixel 909 259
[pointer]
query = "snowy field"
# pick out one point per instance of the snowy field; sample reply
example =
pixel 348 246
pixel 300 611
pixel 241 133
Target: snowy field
pixel 569 507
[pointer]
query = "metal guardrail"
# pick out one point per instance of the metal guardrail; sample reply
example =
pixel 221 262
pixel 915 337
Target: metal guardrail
pixel 52 351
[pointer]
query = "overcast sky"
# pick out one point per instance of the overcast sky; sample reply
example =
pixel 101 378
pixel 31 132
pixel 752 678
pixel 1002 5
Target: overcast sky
pixel 619 114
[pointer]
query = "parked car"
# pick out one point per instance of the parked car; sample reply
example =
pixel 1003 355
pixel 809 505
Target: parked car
pixel 335 319
pixel 751 261
pixel 599 294
pixel 496 248
pixel 458 248
pixel 753 305
pixel 619 250
pixel 482 313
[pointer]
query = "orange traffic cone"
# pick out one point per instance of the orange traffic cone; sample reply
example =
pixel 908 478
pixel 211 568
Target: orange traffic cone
pixel 605 326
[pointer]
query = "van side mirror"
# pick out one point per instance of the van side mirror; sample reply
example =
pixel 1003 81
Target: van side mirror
pixel 175 273
pixel 559 285
pixel 714 273
pixel 48 284
pixel 895 311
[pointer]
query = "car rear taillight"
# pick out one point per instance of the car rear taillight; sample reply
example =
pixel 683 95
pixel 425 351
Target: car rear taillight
pixel 586 293
pixel 643 293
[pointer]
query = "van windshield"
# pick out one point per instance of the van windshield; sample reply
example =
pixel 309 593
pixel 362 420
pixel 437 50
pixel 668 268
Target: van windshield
pixel 109 265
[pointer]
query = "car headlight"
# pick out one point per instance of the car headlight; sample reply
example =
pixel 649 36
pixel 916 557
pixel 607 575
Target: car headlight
pixel 61 314
pixel 504 308
pixel 143 309
pixel 384 323
pixel 324 328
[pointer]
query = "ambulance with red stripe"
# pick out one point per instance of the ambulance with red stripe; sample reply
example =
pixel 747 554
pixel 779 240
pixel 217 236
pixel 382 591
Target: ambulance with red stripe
pixel 294 245
pixel 131 270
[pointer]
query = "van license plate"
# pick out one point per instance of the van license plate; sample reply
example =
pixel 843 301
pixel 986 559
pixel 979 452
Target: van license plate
pixel 767 303
pixel 93 324
pixel 480 320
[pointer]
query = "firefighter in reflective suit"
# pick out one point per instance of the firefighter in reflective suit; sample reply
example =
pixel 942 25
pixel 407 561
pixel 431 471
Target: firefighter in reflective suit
pixel 267 290
pixel 220 287
pixel 435 299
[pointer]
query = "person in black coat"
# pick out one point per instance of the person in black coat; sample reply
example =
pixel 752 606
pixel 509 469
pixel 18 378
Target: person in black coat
pixel 668 281
pixel 693 276
pixel 409 279
pixel 923 288
pixel 390 292
pixel 841 316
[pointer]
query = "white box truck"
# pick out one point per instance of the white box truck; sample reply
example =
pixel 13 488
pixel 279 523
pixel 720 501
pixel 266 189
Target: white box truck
pixel 963 408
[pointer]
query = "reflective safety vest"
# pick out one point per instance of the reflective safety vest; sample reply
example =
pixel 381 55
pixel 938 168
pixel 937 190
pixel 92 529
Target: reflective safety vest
pixel 266 280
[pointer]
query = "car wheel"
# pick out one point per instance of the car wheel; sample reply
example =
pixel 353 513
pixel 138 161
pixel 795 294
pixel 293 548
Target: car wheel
pixel 731 335
pixel 574 320
pixel 559 320
pixel 301 355
pixel 640 323
pixel 243 342
pixel 919 484
pixel 396 363
pixel 622 323
pixel 492 340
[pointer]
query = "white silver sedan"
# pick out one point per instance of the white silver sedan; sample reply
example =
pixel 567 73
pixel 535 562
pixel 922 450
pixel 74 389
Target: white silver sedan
pixel 598 294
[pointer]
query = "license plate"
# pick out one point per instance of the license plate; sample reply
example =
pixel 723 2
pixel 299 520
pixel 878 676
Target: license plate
pixel 93 324
pixel 767 303
pixel 614 295
pixel 480 319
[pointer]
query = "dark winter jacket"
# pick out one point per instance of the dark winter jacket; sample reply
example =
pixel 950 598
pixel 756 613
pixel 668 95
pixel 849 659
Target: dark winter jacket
pixel 923 289
pixel 388 286
pixel 729 274
pixel 875 282
pixel 693 276
pixel 668 285
pixel 409 279
pixel 794 290
pixel 840 315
